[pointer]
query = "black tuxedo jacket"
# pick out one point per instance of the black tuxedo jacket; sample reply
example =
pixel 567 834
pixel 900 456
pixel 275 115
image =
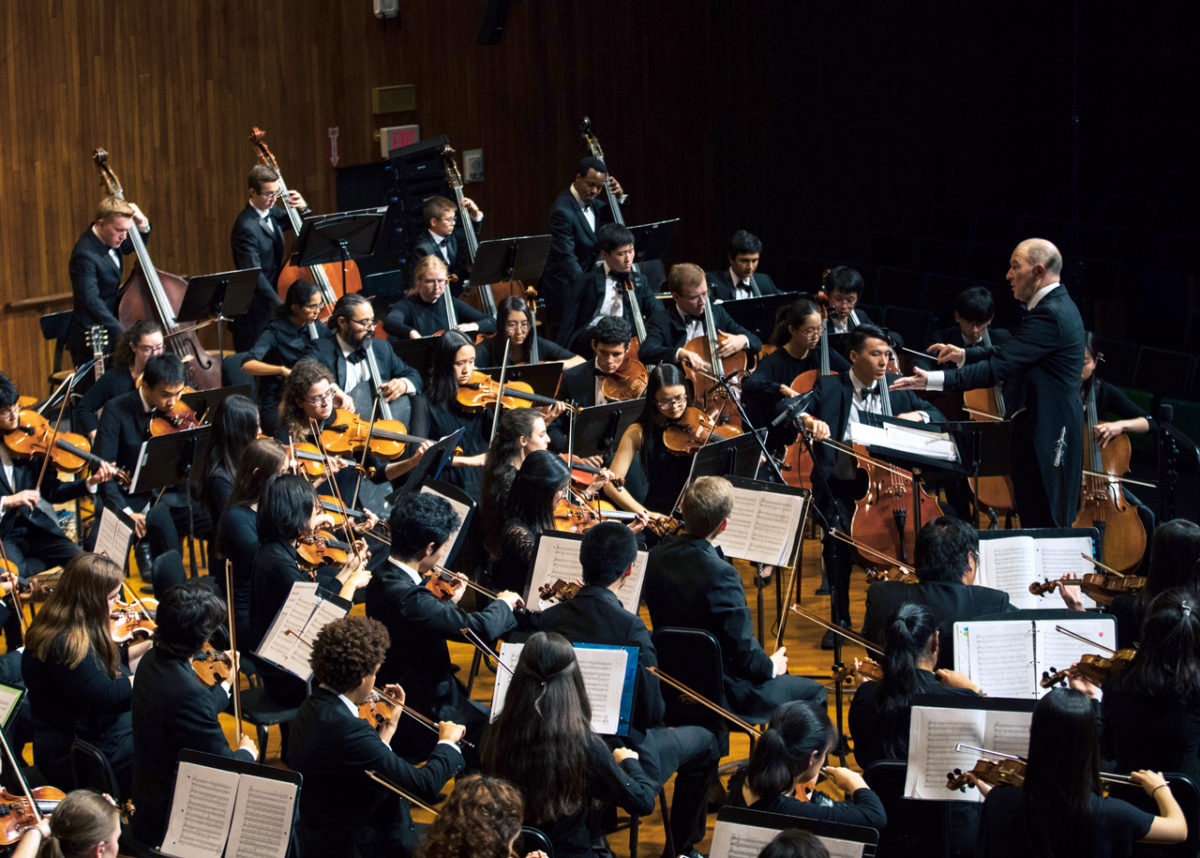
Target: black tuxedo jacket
pixel 720 285
pixel 597 614
pixel 254 247
pixel 95 288
pixel 124 426
pixel 172 710
pixel 456 257
pixel 1040 367
pixel 666 332
pixel 419 625
pixel 328 351
pixel 587 293
pixel 343 813
pixel 949 602
pixel 831 399
pixel 953 336
pixel 53 491
pixel 837 341
pixel 573 247
pixel 689 583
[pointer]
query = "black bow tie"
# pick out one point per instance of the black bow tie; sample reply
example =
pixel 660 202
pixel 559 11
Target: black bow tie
pixel 869 391
pixel 619 276
pixel 356 355
pixel 598 373
pixel 691 317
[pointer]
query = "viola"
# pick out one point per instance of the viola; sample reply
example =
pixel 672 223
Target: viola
pixel 1102 587
pixel 212 666
pixel 321 549
pixel 17 815
pixel 868 669
pixel 1102 501
pixel 350 433
pixel 70 452
pixel 333 279
pixel 153 294
pixel 377 710
pixel 891 574
pixel 481 391
pixel 693 430
pixel 339 513
pixel 992 772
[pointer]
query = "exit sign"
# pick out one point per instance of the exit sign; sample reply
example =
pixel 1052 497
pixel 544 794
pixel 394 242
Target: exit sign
pixel 395 136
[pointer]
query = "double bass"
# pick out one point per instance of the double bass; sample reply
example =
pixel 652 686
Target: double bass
pixel 482 293
pixel 333 279
pixel 1102 501
pixel 153 294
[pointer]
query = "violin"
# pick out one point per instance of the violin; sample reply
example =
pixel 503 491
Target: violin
pixel 559 590
pixel 350 433
pixel 991 772
pixel 69 452
pixel 212 666
pixel 310 462
pixel 321 549
pixel 583 474
pixel 339 513
pixel 377 710
pixel 127 622
pixel 1102 587
pixel 179 418
pixel 576 517
pixel 893 574
pixel 443 583
pixel 868 669
pixel 17 815
pixel 693 430
pixel 628 382
pixel 1094 668
pixel 482 391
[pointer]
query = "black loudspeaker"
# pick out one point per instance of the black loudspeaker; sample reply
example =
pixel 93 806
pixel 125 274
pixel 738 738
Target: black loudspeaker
pixel 492 21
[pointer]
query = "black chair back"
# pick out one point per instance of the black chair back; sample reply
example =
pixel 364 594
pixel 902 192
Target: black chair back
pixel 92 770
pixel 919 828
pixel 534 840
pixel 1188 796
pixel 692 656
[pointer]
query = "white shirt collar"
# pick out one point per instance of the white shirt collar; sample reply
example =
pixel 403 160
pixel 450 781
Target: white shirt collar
pixel 1040 294
pixel 738 283
pixel 412 573
pixel 439 240
pixel 578 199
pixel 858 385
pixel 346 701
pixel 146 406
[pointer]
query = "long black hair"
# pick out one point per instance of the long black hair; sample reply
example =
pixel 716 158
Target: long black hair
pixel 1174 558
pixel 1062 775
pixel 498 475
pixel 285 508
pixel 1168 656
pixel 539 742
pixel 234 425
pixel 785 750
pixel 907 636
pixel 443 385
pixel 531 499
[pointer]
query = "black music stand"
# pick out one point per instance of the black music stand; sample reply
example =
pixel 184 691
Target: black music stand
pixel 430 466
pixel 729 457
pixel 984 449
pixel 168 460
pixel 598 429
pixel 758 314
pixel 205 402
pixel 223 296
pixel 521 258
pixel 417 352
pixel 544 378
pixel 339 237
pixel 650 244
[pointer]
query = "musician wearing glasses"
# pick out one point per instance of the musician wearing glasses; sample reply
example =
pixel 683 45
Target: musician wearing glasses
pixel 444 240
pixel 257 242
pixel 142 341
pixel 667 333
pixel 422 312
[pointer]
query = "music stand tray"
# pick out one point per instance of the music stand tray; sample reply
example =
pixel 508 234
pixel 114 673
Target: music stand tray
pixel 652 240
pixel 227 294
pixel 758 314
pixel 167 460
pixel 430 466
pixel 598 429
pixel 737 456
pixel 521 258
pixel 205 402
pixel 338 237
pixel 416 352
pixel 544 378
pixel 986 442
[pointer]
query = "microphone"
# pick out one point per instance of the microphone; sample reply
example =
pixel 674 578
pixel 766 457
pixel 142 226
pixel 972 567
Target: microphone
pixel 789 412
pixel 1059 446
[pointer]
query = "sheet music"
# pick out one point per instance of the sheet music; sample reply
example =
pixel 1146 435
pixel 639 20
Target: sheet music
pixel 603 671
pixel 9 697
pixel 1057 651
pixel 1062 557
pixel 1009 564
pixel 732 840
pixel 201 811
pixel 557 559
pixel 304 613
pixel 920 442
pixel 262 818
pixel 998 656
pixel 460 509
pixel 934 732
pixel 762 527
pixel 113 536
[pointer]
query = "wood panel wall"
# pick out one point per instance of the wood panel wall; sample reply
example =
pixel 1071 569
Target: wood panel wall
pixel 171 90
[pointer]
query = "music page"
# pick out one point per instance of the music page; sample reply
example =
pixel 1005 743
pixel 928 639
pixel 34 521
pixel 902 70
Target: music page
pixel 934 732
pixel 200 812
pixel 603 671
pixel 762 527
pixel 997 655
pixel 262 819
pixel 732 840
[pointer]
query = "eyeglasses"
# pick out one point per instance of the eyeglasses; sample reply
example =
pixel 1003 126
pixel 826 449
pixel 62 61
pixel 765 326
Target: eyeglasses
pixel 150 349
pixel 364 323
pixel 320 400
pixel 673 402
pixel 270 195
pixel 810 331
pixel 516 326
pixel 317 305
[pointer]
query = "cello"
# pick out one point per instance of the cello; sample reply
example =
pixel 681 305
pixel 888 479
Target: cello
pixel 1102 501
pixel 333 279
pixel 153 294
pixel 797 466
pixel 714 399
pixel 987 403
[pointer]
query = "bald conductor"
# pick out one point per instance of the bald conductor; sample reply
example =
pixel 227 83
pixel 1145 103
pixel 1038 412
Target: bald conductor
pixel 1040 367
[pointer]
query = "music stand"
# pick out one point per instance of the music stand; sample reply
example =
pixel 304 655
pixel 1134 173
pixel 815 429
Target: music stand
pixel 737 456
pixel 430 466
pixel 650 244
pixel 205 402
pixel 544 378
pixel 984 449
pixel 223 296
pixel 521 258
pixel 339 237
pixel 168 460
pixel 757 314
pixel 599 428
pixel 416 352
